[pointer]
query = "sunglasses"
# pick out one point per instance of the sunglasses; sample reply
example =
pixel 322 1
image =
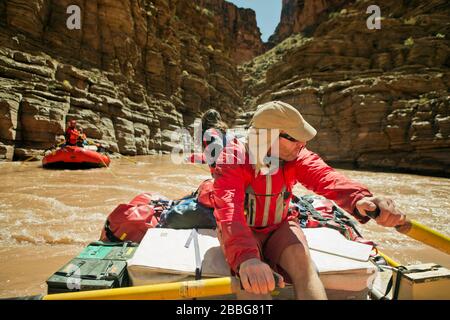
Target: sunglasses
pixel 288 137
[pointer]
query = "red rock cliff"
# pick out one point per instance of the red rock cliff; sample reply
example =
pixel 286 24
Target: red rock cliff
pixel 135 72
pixel 298 15
pixel 239 29
pixel 379 98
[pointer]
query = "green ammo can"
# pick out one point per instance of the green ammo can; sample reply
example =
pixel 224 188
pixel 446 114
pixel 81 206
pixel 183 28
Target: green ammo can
pixel 101 265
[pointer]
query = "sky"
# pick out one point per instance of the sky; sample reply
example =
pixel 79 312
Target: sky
pixel 268 14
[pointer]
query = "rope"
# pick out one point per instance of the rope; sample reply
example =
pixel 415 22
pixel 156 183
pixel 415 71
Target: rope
pixel 109 169
pixel 127 158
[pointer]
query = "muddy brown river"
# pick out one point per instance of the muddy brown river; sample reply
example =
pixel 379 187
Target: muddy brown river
pixel 48 216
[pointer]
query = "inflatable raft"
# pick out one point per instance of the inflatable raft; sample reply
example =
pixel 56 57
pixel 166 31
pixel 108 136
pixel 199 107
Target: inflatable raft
pixel 349 266
pixel 73 157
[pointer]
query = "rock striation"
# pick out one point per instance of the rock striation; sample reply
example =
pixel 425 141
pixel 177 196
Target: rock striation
pixel 135 72
pixel 379 98
pixel 238 29
pixel 302 16
pixel 139 70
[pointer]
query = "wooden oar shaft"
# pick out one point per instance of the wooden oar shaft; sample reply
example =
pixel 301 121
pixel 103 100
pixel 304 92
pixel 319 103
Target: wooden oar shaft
pixel 169 291
pixel 424 234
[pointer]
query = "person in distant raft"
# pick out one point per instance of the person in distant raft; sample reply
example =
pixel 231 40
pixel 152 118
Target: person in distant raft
pixel 82 139
pixel 251 201
pixel 72 133
pixel 213 136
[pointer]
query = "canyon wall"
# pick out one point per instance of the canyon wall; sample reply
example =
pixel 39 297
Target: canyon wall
pixel 379 98
pixel 135 72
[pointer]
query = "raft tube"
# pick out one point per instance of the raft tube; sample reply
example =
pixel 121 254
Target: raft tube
pixel 73 157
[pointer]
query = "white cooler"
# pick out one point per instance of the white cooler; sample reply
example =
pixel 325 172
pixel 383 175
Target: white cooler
pixel 169 255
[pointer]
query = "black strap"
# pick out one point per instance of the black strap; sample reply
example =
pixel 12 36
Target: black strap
pixel 401 270
pixel 109 234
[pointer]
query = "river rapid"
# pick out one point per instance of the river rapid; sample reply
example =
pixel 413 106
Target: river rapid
pixel 48 216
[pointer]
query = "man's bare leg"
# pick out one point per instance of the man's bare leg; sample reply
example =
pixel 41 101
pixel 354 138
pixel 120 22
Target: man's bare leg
pixel 296 261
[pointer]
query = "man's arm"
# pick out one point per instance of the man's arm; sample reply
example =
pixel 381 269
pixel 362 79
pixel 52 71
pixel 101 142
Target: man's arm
pixel 237 239
pixel 313 173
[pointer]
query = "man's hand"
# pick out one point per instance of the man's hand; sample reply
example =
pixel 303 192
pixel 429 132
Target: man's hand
pixel 389 216
pixel 257 277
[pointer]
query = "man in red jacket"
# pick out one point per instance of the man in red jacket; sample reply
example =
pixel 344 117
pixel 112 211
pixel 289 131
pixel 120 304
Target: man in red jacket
pixel 252 198
pixel 72 133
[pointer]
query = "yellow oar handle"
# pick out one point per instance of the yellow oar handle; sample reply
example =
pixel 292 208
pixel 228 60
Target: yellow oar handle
pixel 166 291
pixel 419 232
pixel 389 260
pixel 424 234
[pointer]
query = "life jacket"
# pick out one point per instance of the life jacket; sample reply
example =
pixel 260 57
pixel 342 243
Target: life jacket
pixel 260 197
pixel 72 136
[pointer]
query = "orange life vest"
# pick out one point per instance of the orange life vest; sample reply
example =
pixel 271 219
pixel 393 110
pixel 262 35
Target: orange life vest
pixel 72 136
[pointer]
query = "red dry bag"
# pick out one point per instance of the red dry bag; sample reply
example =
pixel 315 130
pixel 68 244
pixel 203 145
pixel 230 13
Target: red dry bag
pixel 130 222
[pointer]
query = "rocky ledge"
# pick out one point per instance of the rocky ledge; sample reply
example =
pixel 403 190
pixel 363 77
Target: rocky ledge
pixel 379 98
pixel 135 72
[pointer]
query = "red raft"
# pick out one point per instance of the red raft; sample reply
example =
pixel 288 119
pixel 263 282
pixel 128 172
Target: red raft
pixel 72 157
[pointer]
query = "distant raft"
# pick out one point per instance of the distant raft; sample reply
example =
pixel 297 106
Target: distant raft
pixel 73 157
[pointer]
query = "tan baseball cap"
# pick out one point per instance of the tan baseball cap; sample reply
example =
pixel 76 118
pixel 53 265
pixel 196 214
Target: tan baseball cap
pixel 282 116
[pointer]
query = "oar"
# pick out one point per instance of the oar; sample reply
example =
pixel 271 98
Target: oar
pixel 126 158
pixel 389 260
pixel 36 156
pixel 122 156
pixel 28 159
pixel 166 291
pixel 32 157
pixel 420 232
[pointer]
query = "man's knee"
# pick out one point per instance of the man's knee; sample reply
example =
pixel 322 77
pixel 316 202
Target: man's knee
pixel 297 262
pixel 295 252
pixel 296 259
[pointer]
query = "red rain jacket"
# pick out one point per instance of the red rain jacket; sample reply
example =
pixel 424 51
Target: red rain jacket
pixel 232 181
